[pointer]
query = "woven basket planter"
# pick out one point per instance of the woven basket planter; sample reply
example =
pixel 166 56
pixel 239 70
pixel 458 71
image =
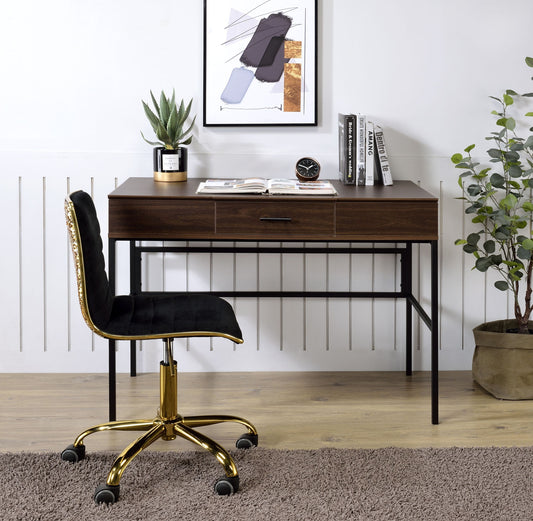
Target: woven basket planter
pixel 503 362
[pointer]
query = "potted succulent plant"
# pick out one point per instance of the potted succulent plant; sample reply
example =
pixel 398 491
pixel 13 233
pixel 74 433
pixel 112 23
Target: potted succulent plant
pixel 169 123
pixel 499 198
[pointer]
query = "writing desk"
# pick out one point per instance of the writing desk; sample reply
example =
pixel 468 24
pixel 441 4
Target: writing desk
pixel 143 210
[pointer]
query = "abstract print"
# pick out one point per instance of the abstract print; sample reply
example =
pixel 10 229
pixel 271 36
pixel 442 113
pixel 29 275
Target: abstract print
pixel 260 62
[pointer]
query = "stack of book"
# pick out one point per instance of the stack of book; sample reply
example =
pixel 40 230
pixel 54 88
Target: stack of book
pixel 363 156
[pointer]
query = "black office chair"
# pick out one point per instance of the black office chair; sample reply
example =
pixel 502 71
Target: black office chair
pixel 138 317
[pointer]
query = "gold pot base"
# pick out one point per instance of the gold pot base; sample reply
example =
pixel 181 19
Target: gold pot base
pixel 170 177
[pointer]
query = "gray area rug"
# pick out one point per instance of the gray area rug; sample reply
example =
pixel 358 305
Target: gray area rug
pixel 327 484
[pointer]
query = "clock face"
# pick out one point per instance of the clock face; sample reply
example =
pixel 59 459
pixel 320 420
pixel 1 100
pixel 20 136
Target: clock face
pixel 307 169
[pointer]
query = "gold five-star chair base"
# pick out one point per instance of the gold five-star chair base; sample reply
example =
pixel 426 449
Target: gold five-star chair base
pixel 167 426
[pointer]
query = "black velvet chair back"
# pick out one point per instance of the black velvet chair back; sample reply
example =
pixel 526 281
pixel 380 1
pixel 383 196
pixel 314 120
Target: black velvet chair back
pixel 93 284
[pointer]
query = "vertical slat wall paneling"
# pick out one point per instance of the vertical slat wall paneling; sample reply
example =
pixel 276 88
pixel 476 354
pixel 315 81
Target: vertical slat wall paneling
pixel 383 320
pixel 246 277
pixel 361 269
pixel 58 271
pixel 222 271
pixel 175 279
pixel 268 278
pixel 315 308
pixel 452 270
pixel 32 263
pixel 201 270
pixel 339 308
pixel 43 322
pixel 292 277
pixel 10 274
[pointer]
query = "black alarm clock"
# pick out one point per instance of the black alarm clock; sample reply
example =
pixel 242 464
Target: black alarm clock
pixel 307 169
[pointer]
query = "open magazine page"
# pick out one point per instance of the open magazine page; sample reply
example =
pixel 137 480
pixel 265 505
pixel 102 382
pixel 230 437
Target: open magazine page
pixel 293 186
pixel 258 185
pixel 251 185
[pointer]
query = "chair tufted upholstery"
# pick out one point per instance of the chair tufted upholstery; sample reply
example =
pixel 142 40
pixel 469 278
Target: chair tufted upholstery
pixel 165 315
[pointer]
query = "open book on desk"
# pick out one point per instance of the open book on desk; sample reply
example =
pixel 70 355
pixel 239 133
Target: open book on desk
pixel 258 185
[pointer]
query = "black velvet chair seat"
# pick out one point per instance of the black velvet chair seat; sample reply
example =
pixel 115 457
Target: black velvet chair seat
pixel 172 314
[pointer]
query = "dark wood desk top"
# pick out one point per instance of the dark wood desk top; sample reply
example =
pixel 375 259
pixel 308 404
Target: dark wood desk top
pixel 146 187
pixel 143 209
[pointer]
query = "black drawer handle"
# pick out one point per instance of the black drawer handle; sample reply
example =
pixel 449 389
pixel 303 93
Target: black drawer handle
pixel 276 219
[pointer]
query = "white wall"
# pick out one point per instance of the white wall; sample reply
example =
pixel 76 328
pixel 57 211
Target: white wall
pixel 73 74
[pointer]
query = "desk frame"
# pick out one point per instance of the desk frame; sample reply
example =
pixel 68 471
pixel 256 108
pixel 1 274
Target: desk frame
pixel 403 214
pixel 406 292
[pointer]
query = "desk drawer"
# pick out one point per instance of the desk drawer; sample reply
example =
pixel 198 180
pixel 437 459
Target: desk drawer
pixel 160 219
pixel 394 220
pixel 273 219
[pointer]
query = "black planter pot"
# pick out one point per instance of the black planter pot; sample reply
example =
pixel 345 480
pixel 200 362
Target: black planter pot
pixel 170 165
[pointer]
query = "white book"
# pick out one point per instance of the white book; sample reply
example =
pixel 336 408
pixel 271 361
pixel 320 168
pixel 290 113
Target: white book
pixel 369 148
pixel 381 156
pixel 360 148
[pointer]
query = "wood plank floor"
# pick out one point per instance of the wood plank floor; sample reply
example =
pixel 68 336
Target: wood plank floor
pixel 43 412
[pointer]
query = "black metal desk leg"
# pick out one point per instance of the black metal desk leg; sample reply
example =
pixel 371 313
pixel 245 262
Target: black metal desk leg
pixel 135 289
pixel 407 289
pixel 112 374
pixel 112 382
pixel 434 332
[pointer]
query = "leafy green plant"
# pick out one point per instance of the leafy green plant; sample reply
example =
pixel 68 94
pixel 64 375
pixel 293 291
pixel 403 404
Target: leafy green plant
pixel 168 121
pixel 501 203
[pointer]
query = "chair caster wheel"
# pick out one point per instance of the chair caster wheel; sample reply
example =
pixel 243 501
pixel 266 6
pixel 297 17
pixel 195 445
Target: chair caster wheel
pixel 247 441
pixel 73 454
pixel 226 486
pixel 107 494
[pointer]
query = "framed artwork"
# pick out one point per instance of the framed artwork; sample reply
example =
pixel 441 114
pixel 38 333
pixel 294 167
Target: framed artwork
pixel 260 62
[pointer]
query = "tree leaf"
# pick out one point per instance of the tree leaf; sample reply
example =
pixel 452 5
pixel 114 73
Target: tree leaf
pixel 469 148
pixel 527 244
pixel 522 253
pixel 510 123
pixel 529 61
pixel 489 246
pixel 483 264
pixel 457 158
pixel 474 190
pixel 501 285
pixel 502 233
pixel 497 180
pixel 515 171
pixel 508 202
pixel 473 239
pixel 508 100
